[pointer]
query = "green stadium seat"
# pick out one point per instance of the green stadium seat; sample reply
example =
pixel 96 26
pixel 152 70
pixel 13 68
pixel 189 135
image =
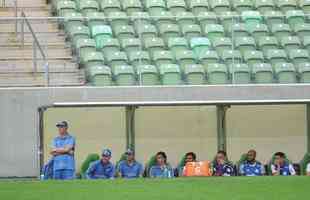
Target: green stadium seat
pixel 124 75
pixel 306 42
pixel 281 30
pixel 219 6
pixel 110 45
pixel 185 18
pixel 240 73
pixel 78 32
pixel 85 165
pixel 163 17
pixel 89 6
pixel 221 44
pixel 167 31
pixel 295 17
pixel 153 44
pixel 99 75
pixel 137 58
pixel 72 19
pixel 298 56
pixel 123 31
pixel 231 57
pixel 64 7
pixel 110 6
pixel 84 47
pixel 176 6
pixel 285 73
pixel 118 19
pixel 131 6
pixel 251 18
pixel 100 33
pixel 208 57
pixel 146 31
pixel 264 6
pixel 194 74
pixel 305 6
pixel 131 45
pixel 191 31
pixel 242 5
pixel 304 72
pixel 262 73
pixel 155 6
pixel 170 74
pixel 267 43
pixel 273 17
pixel 95 19
pixel 286 5
pixel 217 74
pixel 276 56
pixel 147 75
pixel 140 18
pixel 185 57
pixel 245 44
pixel 198 6
pixel 115 58
pixel 213 31
pixel 177 44
pixel 228 19
pixel 258 31
pixel 92 58
pixel 205 18
pixel 302 29
pixel 253 57
pixel 238 30
pixel 200 44
pixel 162 57
pixel 290 42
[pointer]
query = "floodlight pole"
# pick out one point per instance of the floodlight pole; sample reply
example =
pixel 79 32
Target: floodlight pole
pixel 308 126
pixel 221 126
pixel 130 127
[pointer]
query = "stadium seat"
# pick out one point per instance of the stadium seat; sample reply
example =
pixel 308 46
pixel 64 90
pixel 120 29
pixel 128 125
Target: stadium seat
pixel 137 58
pixel 205 18
pixel 286 5
pixel 302 29
pixel 267 43
pixel 177 44
pixel 167 31
pixel 285 73
pixel 72 19
pixel 198 6
pixel 64 7
pixel 275 56
pixel 295 17
pixel 154 44
pixel 140 18
pixel 93 58
pixel 208 57
pixel 242 5
pixel 219 6
pixel 155 6
pixel 298 56
pixel 213 31
pixel 217 74
pixel 281 30
pixel 190 31
pixel 221 44
pixel 164 17
pixel 95 19
pixel 89 6
pixel 131 45
pixel 245 44
pixel 115 58
pixel 231 57
pixel 228 19
pixel 176 6
pixel 273 17
pixel 99 75
pixel 162 57
pixel 83 47
pixel 253 57
pixel 305 6
pixel 146 31
pixel 110 45
pixel 131 6
pixel 118 19
pixel 124 75
pixel 199 44
pixel 264 6
pixel 251 18
pixel 290 42
pixel 258 31
pixel 185 57
pixel 306 42
pixel 238 30
pixel 170 74
pixel 100 33
pixel 240 73
pixel 304 72
pixel 185 18
pixel 110 6
pixel 262 73
pixel 123 31
pixel 194 74
pixel 85 164
pixel 147 75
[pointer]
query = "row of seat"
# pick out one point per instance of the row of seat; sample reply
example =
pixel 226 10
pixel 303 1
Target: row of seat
pixel 195 74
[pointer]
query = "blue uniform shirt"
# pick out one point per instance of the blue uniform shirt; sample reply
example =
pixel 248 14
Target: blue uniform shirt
pixel 157 172
pixel 223 170
pixel 65 161
pixel 252 169
pixel 130 171
pixel 98 170
pixel 285 170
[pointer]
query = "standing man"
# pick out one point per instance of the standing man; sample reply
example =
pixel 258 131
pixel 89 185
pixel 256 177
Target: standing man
pixel 103 168
pixel 129 168
pixel 63 151
pixel 251 167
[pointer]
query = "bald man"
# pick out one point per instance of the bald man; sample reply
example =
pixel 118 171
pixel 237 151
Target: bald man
pixel 251 167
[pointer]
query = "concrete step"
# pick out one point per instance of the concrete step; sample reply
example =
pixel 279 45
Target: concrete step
pixel 38 26
pixel 29 12
pixel 24 3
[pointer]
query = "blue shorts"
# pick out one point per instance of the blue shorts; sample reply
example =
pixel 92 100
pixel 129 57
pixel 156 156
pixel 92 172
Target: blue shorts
pixel 63 174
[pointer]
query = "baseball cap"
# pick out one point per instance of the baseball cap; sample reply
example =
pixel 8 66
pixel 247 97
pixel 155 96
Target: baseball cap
pixel 129 152
pixel 62 124
pixel 106 152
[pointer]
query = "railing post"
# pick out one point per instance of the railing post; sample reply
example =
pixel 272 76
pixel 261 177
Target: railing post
pixel 34 57
pixel 22 32
pixel 16 15
pixel 47 76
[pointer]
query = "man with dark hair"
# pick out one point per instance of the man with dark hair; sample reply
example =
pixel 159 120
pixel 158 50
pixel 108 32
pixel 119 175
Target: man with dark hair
pixel 251 167
pixel 129 168
pixel 189 157
pixel 103 168
pixel 221 165
pixel 281 167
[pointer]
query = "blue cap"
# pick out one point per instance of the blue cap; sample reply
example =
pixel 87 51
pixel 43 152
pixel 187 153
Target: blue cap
pixel 62 124
pixel 106 152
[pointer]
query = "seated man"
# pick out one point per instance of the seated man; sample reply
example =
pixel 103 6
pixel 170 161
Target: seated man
pixel 129 168
pixel 251 167
pixel 103 168
pixel 189 157
pixel 221 167
pixel 280 167
pixel 308 169
pixel 162 169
